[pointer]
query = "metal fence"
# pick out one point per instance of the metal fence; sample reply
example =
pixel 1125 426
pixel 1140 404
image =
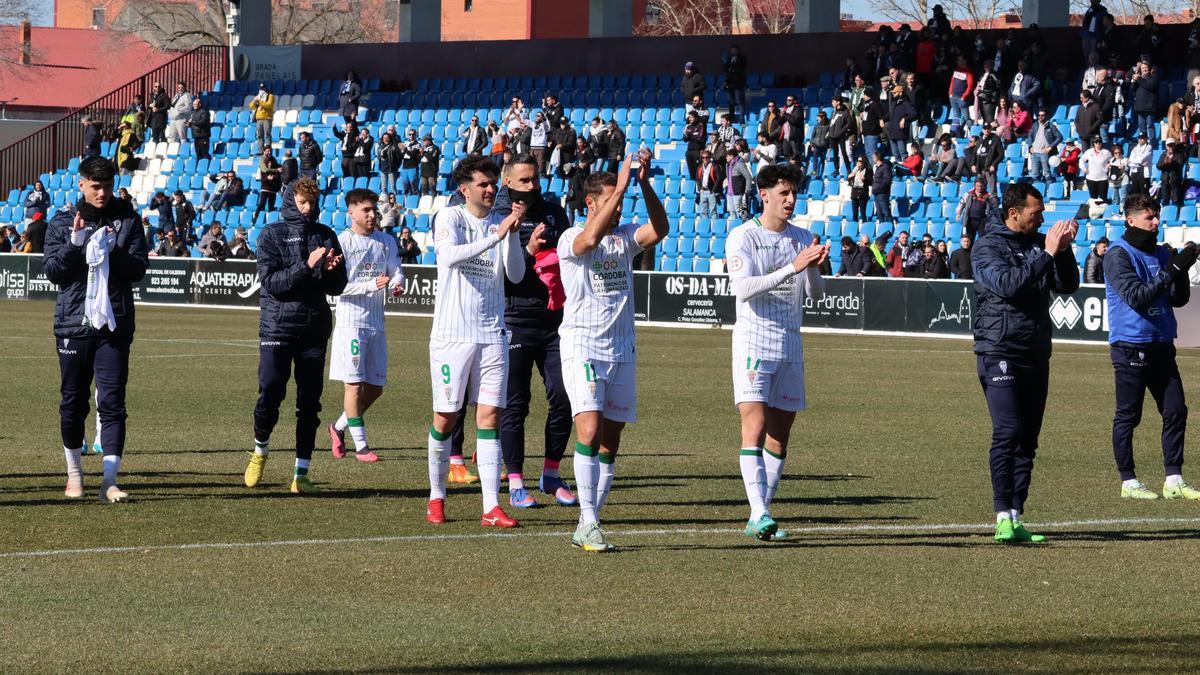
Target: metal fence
pixel 55 145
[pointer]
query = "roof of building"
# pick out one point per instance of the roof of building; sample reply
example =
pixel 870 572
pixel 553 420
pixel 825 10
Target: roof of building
pixel 70 67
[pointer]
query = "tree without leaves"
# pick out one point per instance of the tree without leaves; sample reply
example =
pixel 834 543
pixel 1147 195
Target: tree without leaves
pixel 1132 11
pixel 686 17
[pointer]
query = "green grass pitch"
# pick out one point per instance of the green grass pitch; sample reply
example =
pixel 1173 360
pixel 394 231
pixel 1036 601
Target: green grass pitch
pixel 892 569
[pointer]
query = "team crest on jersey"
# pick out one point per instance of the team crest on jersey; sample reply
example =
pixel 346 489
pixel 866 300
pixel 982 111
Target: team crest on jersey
pixel 354 360
pixel 735 264
pixel 550 220
pixel 1004 367
pixel 449 393
pixel 1141 356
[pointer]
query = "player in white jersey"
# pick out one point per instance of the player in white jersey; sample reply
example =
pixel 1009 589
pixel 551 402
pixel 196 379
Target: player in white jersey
pixel 359 342
pixel 596 335
pixel 773 265
pixel 468 348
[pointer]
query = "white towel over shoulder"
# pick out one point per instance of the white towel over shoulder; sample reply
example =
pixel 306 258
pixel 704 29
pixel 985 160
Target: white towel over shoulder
pixel 97 309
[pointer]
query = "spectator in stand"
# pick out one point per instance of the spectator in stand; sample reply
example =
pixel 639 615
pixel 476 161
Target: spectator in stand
pixel 185 213
pixel 1093 267
pixel 201 125
pixel 818 145
pixel 974 207
pixel 1176 129
pixel 263 107
pixel 901 120
pixel 1003 123
pixel 310 156
pixel 270 176
pixel 1138 168
pixel 962 85
pixel 498 142
pixel 475 139
pixel 987 93
pixel 135 117
pixel 160 104
pixel 37 201
pixel 897 254
pixel 1089 117
pixel 362 154
pixel 934 265
pixel 852 258
pixel 860 178
pixel 1021 120
pixel 289 169
pixel 615 139
pixel 881 188
pixel 214 243
pixel 738 184
pixel 726 132
pixel 693 82
pixel 792 141
pixel 854 97
pixel 1044 138
pixel 172 246
pixel 911 165
pixel 842 129
pixel 1104 92
pixel 1149 40
pixel 849 74
pixel 564 146
pixel 390 157
pixel 410 163
pixel 696 105
pixel 1068 166
pixel 960 260
pixel 431 156
pixel 1171 165
pixel 410 252
pixel 870 122
pixel 240 248
pixel 127 145
pixel 874 259
pixel 35 235
pixel 123 195
pixel 918 96
pixel 765 153
pixel 825 268
pixel 772 123
pixel 553 110
pixel 349 95
pixel 181 112
pixel 943 161
pixel 710 176
pixel 91 137
pixel 1143 87
pixel 1093 23
pixel 577 174
pixel 734 63
pixel 390 213
pixel 217 199
pixel 514 117
pixel 1109 43
pixel 987 156
pixel 8 236
pixel 348 141
pixel 694 135
pixel 1094 166
pixel 539 140
pixel 162 204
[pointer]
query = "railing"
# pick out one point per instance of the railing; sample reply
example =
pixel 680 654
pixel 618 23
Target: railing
pixel 52 147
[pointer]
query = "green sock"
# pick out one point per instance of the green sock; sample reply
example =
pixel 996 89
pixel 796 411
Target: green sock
pixel 437 435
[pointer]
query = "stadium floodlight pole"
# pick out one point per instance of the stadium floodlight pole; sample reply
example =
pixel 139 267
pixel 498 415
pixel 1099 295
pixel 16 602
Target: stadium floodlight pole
pixel 233 29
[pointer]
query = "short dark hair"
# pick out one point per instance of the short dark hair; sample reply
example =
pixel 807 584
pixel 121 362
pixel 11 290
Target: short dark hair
pixel 774 174
pixel 360 195
pixel 99 169
pixel 1016 194
pixel 595 183
pixel 1137 203
pixel 467 168
pixel 522 158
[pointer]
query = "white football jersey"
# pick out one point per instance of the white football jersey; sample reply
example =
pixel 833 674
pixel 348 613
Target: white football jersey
pixel 361 304
pixel 768 325
pixel 469 306
pixel 598 315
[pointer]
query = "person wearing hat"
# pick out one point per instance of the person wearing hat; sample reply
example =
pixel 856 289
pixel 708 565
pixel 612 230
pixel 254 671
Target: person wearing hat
pixel 263 107
pixel 431 156
pixel 693 82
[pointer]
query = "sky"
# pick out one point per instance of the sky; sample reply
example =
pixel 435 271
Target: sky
pixel 859 8
pixel 42 12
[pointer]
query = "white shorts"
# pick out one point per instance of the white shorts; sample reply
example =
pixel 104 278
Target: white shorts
pixel 779 384
pixel 477 371
pixel 359 355
pixel 602 386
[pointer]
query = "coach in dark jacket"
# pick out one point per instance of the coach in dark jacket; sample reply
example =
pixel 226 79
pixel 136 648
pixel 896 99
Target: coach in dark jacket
pixel 201 127
pixel 1016 268
pixel 89 346
pixel 299 264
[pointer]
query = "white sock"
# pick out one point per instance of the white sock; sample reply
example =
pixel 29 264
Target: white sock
pixel 754 479
pixel 604 482
pixel 438 468
pixel 773 466
pixel 487 458
pixel 341 422
pixel 99 426
pixel 112 464
pixel 1003 515
pixel 74 463
pixel 1016 515
pixel 586 470
pixel 358 432
pixel 1174 479
pixel 1133 482
pixel 457 460
pixel 516 482
pixel 260 448
pixel 303 463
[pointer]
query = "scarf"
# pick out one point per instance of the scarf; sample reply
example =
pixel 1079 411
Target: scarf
pixel 97 309
pixel 1142 240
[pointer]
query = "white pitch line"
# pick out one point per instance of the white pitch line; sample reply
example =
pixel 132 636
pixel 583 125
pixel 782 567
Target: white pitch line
pixel 139 357
pixel 835 529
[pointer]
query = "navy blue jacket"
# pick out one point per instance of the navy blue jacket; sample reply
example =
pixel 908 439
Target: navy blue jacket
pixel 525 303
pixel 65 265
pixel 293 296
pixel 1013 279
